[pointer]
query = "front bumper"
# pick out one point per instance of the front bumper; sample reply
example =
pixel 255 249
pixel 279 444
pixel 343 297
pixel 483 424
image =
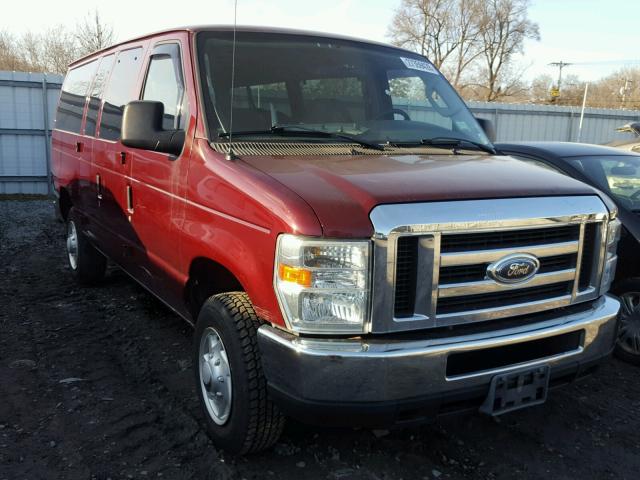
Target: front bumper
pixel 381 381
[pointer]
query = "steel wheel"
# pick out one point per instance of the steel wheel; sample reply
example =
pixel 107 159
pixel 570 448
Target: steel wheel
pixel 215 376
pixel 629 333
pixel 72 245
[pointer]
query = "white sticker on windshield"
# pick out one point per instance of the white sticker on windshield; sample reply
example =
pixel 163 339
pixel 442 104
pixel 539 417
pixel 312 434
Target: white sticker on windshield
pixel 419 65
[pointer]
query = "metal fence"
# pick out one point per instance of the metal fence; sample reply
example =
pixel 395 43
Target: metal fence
pixel 524 122
pixel 28 101
pixel 27 110
pixel 517 122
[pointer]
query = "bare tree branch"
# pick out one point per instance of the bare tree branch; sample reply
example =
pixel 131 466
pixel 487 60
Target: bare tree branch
pixel 92 34
pixel 504 28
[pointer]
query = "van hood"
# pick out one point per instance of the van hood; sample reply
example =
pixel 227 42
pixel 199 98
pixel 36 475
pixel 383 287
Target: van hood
pixel 343 189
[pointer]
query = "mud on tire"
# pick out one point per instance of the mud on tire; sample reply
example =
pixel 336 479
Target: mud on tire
pixel 253 422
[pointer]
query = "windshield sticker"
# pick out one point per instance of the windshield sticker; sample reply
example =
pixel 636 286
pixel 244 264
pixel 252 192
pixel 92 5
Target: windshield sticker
pixel 419 65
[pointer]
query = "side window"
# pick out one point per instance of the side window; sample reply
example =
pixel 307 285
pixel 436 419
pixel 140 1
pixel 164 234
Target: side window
pixel 72 97
pixel 95 96
pixel 164 84
pixel 333 99
pixel 119 92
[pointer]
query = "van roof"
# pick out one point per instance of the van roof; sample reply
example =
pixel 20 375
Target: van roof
pixel 239 28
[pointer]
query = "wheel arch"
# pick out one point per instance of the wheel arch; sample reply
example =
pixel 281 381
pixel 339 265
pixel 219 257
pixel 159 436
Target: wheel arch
pixel 64 203
pixel 208 277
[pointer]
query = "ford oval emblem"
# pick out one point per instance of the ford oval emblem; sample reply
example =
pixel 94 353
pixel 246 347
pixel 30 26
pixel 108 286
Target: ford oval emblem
pixel 514 268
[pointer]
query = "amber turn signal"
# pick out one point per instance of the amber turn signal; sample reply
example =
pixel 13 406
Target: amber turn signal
pixel 295 275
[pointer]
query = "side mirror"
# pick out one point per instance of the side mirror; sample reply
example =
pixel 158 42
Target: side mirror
pixel 489 129
pixel 142 128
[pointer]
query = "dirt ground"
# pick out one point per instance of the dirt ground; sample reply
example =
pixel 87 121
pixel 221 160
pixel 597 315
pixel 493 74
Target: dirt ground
pixel 96 383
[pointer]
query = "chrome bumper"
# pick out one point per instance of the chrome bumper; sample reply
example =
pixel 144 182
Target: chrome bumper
pixel 324 371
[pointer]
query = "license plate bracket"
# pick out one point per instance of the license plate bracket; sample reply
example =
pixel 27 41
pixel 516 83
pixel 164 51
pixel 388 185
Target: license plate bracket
pixel 517 389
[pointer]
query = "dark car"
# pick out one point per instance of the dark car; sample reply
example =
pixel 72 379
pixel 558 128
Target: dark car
pixel 632 145
pixel 616 172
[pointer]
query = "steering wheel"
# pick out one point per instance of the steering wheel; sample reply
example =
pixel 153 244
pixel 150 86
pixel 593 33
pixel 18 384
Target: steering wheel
pixel 394 110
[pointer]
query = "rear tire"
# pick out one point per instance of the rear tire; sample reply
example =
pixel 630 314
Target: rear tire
pixel 628 343
pixel 240 417
pixel 86 262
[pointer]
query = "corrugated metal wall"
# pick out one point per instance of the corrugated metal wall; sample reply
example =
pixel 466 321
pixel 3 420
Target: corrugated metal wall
pixel 552 123
pixel 25 141
pixel 25 128
pixel 523 122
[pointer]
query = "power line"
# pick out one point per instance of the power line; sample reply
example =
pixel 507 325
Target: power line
pixel 560 66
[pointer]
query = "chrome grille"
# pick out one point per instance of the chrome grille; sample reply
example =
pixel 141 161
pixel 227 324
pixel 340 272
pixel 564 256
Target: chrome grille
pixel 437 270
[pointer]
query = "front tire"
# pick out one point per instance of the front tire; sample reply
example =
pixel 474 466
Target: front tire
pixel 86 262
pixel 240 417
pixel 628 344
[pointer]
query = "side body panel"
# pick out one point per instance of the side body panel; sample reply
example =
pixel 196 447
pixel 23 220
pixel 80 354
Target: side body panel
pixel 158 185
pixel 234 215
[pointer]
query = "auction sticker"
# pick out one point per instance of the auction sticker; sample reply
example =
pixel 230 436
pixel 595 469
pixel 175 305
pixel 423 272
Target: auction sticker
pixel 419 65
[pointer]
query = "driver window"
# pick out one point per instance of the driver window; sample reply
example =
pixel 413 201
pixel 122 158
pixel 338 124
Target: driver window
pixel 409 94
pixel 164 84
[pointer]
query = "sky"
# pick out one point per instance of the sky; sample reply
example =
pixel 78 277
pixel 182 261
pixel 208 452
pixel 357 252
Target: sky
pixel 597 36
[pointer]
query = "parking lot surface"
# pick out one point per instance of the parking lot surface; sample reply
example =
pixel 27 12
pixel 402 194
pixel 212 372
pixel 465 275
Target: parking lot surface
pixel 97 383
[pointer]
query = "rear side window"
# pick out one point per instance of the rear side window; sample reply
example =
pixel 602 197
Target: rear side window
pixel 72 98
pixel 119 92
pixel 95 96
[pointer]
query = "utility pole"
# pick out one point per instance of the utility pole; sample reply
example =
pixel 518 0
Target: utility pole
pixel 624 90
pixel 560 66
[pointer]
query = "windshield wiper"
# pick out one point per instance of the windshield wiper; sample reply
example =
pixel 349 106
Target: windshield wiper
pixel 299 131
pixel 449 142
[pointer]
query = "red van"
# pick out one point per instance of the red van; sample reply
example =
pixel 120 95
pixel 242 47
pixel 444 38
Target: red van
pixel 335 224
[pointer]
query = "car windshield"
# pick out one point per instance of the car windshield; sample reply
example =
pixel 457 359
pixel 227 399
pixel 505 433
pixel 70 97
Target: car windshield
pixel 618 175
pixel 372 93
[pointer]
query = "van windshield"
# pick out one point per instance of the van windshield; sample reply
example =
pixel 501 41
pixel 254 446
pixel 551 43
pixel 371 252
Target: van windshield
pixel 370 92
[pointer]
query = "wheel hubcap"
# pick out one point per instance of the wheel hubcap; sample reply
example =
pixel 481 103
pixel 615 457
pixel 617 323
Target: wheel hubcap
pixel 215 376
pixel 629 333
pixel 72 245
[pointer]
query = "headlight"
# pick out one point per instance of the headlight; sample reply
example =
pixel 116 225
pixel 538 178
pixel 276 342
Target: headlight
pixel 323 285
pixel 614 230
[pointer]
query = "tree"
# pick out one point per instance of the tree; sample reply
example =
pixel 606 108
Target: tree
pixel 504 28
pixel 92 34
pixel 467 29
pixel 472 41
pixel 425 26
pixel 9 58
pixel 540 89
pixel 55 48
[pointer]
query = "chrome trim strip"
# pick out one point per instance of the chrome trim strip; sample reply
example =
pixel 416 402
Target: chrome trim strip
pixel 491 286
pixel 457 318
pixel 487 256
pixel 482 215
pixel 576 282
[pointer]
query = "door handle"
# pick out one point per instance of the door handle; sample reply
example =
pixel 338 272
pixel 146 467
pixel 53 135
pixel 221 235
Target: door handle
pixel 129 199
pixel 99 186
pixel 122 156
pixel 79 147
